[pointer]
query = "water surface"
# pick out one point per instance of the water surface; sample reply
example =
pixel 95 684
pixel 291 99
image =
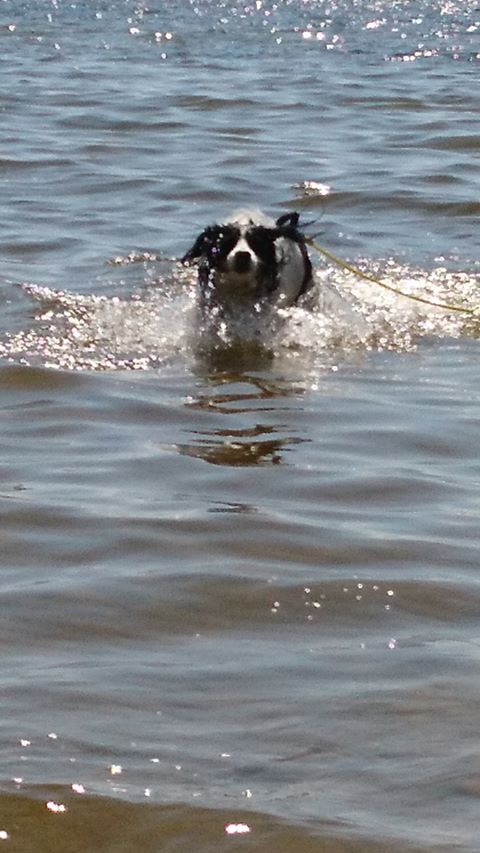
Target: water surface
pixel 238 573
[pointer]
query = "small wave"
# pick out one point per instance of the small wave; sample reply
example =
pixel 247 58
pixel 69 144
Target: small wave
pixel 77 332
pixel 160 325
pixel 354 314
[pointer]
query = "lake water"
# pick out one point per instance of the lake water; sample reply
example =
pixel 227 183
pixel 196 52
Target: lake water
pixel 239 588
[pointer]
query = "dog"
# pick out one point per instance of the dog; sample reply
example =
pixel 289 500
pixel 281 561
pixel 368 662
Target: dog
pixel 250 259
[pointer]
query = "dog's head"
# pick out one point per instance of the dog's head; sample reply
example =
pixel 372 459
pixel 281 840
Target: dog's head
pixel 252 257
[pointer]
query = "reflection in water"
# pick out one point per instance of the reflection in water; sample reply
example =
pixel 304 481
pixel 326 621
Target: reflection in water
pixel 265 389
pixel 236 454
pixel 258 444
pixel 216 356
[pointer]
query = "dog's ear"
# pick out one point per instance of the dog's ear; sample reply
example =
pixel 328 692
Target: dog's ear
pixel 288 220
pixel 199 247
pixel 203 244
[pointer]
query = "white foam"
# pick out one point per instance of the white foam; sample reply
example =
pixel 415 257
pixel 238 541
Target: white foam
pixel 340 316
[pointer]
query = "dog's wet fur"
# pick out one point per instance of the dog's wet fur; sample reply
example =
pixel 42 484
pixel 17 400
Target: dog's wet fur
pixel 251 258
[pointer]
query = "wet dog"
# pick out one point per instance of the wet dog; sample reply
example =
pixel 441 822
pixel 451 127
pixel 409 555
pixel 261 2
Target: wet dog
pixel 252 258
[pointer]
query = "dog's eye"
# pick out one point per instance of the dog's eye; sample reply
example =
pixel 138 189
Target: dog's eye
pixel 261 241
pixel 226 240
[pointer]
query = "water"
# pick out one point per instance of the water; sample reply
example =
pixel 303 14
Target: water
pixel 239 586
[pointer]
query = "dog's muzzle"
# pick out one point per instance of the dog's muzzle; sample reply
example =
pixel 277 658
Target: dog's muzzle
pixel 242 262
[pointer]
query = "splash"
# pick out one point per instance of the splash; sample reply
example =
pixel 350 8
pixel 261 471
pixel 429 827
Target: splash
pixel 76 332
pixel 352 314
pixel 161 325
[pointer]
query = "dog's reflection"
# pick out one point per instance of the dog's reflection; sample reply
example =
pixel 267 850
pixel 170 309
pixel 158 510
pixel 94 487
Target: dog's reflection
pixel 215 357
pixel 262 440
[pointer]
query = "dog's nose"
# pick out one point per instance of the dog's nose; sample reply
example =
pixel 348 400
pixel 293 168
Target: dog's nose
pixel 242 261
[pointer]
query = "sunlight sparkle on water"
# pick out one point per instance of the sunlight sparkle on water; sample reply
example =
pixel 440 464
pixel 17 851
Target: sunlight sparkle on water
pixel 56 808
pixel 237 828
pixel 346 314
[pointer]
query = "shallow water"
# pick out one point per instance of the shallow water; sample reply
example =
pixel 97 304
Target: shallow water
pixel 239 566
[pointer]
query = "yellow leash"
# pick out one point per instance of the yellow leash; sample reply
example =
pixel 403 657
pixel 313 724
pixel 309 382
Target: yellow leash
pixel 374 280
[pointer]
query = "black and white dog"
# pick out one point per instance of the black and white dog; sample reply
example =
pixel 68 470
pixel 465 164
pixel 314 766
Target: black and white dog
pixel 252 258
